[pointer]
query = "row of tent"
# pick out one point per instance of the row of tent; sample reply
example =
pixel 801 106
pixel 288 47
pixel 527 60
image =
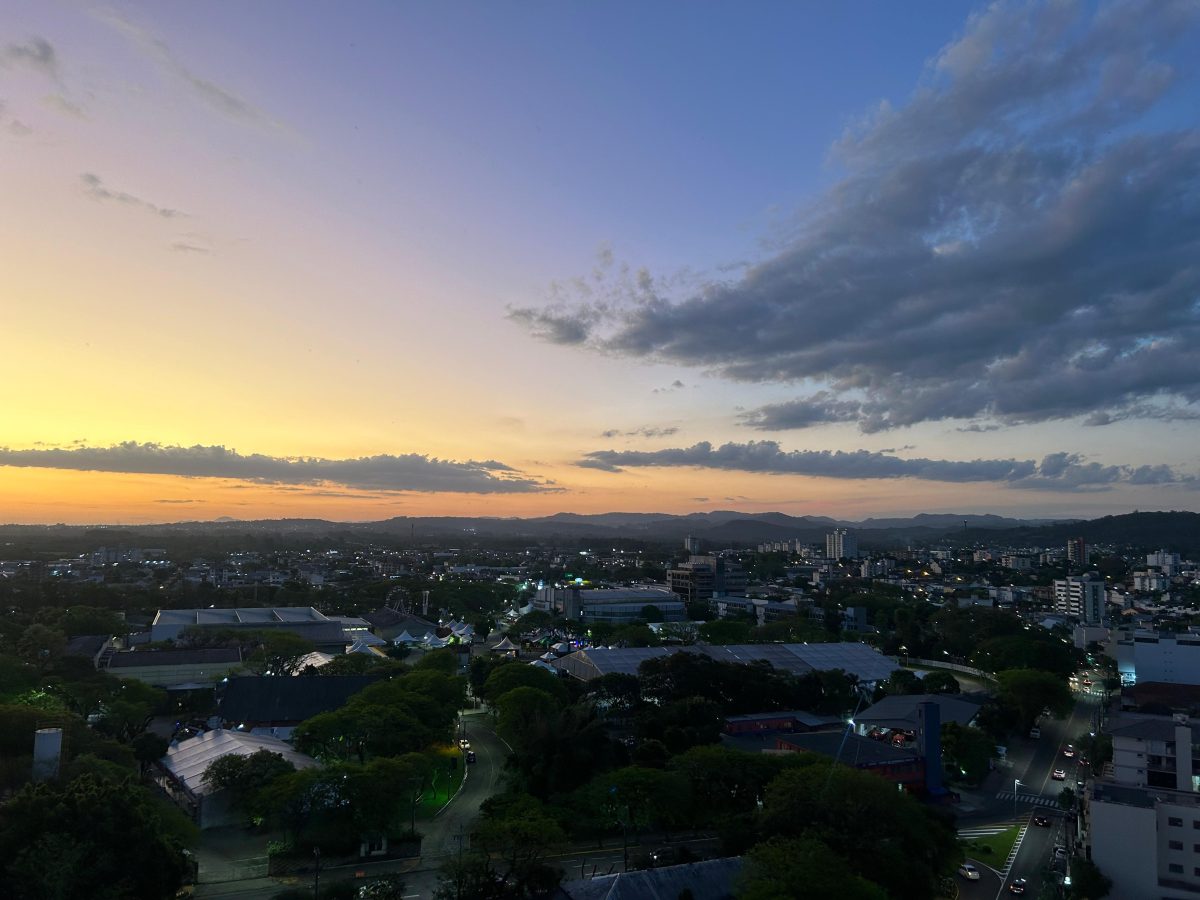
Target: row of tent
pixel 460 632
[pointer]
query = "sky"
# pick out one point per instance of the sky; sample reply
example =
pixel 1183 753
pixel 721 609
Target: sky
pixel 508 259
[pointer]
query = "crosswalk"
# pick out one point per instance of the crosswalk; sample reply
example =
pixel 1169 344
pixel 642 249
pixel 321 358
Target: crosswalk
pixel 1035 799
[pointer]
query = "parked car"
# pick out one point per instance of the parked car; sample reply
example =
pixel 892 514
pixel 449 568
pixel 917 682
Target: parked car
pixel 464 743
pixel 1058 775
pixel 1060 852
pixel 968 871
pixel 1018 886
pixel 1035 732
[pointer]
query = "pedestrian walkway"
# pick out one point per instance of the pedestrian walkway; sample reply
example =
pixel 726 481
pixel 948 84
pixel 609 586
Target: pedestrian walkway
pixel 1036 799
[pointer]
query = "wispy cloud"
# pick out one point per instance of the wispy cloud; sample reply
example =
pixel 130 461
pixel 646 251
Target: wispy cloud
pixel 94 187
pixel 217 97
pixel 1016 242
pixel 1057 471
pixel 384 472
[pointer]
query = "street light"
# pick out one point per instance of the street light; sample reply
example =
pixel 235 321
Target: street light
pixel 1016 784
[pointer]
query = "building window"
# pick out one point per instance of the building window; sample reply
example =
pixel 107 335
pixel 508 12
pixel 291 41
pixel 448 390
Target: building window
pixel 1196 824
pixel 1175 845
pixel 1175 823
pixel 1175 868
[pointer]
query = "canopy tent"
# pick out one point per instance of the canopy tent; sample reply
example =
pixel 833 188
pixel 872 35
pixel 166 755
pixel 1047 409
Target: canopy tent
pixel 505 646
pixel 561 648
pixel 404 638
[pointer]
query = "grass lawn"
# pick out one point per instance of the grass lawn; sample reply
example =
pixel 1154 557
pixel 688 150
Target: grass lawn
pixel 448 781
pixel 994 848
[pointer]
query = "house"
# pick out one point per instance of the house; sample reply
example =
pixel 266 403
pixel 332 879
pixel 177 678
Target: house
pixel 902 712
pixel 794 720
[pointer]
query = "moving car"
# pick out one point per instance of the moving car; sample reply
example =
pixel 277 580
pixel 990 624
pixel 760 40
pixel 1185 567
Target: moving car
pixel 464 743
pixel 969 872
pixel 1060 852
pixel 1018 886
pixel 470 756
pixel 1041 821
pixel 1068 751
pixel 1058 775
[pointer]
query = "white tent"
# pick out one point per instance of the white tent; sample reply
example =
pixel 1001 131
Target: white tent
pixel 436 643
pixel 187 761
pixel 505 646
pixel 548 656
pixel 363 647
pixel 404 638
pixel 542 664
pixel 561 648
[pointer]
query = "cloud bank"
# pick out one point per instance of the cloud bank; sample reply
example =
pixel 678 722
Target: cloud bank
pixel 1017 242
pixel 385 472
pixel 1058 471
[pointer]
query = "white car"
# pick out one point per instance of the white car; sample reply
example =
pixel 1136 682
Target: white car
pixel 1060 852
pixel 1068 751
pixel 1058 775
pixel 969 872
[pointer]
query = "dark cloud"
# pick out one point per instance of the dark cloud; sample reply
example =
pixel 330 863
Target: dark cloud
pixel 385 472
pixel 1017 242
pixel 36 53
pixel 94 187
pixel 646 431
pixel 1058 471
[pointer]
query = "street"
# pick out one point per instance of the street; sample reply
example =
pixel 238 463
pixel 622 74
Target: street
pixel 1028 789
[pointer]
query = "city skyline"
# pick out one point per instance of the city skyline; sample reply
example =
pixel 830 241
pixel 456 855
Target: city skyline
pixel 281 260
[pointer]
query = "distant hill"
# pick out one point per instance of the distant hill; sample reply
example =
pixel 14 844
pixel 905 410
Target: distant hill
pixel 1176 531
pixel 717 529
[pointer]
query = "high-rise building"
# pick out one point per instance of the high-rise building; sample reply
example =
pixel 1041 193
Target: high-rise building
pixel 701 577
pixel 841 544
pixel 691 545
pixel 1077 552
pixel 1081 596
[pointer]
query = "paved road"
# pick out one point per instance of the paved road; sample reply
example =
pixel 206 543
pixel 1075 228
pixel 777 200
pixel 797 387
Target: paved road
pixel 442 834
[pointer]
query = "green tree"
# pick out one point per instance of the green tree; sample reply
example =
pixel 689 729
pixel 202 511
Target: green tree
pixel 41 646
pixel 940 682
pixel 149 748
pixel 1066 798
pixel 279 652
pixel 786 868
pixel 513 675
pixel 1028 691
pixel 651 613
pixel 526 716
pixel 245 778
pixel 1087 881
pixel 884 835
pixel 967 751
pixel 725 631
pixel 92 837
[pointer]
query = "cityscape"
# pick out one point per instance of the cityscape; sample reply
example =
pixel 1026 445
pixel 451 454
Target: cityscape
pixel 625 451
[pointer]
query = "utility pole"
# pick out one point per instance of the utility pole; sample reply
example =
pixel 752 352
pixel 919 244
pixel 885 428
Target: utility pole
pixel 317 874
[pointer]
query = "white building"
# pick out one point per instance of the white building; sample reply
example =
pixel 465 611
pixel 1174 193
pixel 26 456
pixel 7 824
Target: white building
pixel 1148 656
pixel 1080 596
pixel 841 544
pixel 1145 822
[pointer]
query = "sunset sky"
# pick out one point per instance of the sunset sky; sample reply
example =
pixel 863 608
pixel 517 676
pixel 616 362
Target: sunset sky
pixel 360 260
